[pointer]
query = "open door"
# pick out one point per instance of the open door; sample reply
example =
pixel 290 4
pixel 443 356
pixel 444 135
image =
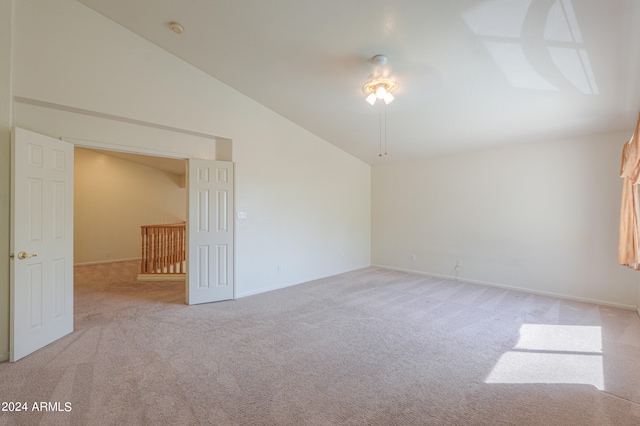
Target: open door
pixel 41 271
pixel 210 275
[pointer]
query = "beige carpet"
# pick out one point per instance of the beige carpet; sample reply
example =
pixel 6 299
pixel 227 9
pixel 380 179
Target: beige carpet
pixel 370 347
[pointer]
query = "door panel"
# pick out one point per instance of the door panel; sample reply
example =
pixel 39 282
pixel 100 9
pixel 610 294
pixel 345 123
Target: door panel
pixel 210 229
pixel 41 241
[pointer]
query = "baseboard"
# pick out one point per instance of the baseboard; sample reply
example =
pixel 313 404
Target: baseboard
pixel 265 290
pixel 102 262
pixel 285 285
pixel 509 287
pixel 161 277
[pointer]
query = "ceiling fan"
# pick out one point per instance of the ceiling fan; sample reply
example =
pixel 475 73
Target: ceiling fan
pixel 379 86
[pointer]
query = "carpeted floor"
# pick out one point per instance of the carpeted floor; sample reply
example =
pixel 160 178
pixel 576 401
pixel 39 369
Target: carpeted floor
pixel 370 347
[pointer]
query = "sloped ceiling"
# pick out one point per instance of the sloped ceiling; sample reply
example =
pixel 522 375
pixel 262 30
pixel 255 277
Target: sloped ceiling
pixel 472 74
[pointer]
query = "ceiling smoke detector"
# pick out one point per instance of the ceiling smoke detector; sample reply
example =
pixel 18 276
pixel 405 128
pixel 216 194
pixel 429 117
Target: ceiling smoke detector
pixel 176 28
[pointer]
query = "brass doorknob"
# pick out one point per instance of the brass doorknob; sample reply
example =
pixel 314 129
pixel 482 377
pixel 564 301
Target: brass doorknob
pixel 24 255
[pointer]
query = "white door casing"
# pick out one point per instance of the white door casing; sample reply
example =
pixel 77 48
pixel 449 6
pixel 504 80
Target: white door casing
pixel 210 271
pixel 41 272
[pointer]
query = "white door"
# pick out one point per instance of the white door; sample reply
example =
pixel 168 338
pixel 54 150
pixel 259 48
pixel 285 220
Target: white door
pixel 210 231
pixel 41 242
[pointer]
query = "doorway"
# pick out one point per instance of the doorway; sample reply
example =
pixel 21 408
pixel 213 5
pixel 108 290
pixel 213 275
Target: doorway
pixel 209 238
pixel 115 194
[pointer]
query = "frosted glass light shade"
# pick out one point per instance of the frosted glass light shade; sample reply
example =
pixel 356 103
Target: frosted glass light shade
pixel 371 98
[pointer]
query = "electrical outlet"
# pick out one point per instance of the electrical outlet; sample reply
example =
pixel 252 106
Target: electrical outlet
pixel 107 253
pixel 413 257
pixel 458 263
pixel 279 268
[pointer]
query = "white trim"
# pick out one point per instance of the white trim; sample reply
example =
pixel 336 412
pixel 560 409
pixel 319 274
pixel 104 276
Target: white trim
pixel 110 146
pixel 101 262
pixel 76 110
pixel 509 287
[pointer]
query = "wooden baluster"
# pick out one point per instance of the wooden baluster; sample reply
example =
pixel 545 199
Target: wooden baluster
pixel 146 250
pixel 165 262
pixel 161 233
pixel 170 251
pixel 150 242
pixel 159 252
pixel 142 254
pixel 149 254
pixel 168 254
pixel 147 247
pixel 149 250
pixel 154 255
pixel 181 247
pixel 172 260
pixel 177 249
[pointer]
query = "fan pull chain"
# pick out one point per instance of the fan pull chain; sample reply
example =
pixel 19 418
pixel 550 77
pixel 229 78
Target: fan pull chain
pixel 380 132
pixel 385 128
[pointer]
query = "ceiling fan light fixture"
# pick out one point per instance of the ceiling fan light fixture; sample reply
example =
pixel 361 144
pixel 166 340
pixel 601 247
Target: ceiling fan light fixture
pixel 380 88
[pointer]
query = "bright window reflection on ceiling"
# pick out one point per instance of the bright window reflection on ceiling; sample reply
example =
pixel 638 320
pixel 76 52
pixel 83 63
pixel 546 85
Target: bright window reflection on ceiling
pixel 498 18
pixel 513 62
pixel 553 354
pixel 501 23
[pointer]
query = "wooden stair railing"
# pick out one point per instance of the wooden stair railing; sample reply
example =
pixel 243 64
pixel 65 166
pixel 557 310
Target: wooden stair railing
pixel 163 248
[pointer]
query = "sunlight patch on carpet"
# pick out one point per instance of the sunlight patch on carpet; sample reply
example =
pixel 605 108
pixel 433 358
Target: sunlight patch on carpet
pixel 553 354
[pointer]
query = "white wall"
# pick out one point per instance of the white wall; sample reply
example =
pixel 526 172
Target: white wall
pixel 541 217
pixel 113 198
pixel 308 203
pixel 6 25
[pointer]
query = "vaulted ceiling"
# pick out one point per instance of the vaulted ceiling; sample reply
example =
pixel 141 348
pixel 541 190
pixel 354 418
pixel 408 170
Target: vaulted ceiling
pixel 472 74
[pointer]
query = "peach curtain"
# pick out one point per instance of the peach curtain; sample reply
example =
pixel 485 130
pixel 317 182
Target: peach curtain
pixel 629 239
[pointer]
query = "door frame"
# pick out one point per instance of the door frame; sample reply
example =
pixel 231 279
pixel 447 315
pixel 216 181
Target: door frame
pixel 147 152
